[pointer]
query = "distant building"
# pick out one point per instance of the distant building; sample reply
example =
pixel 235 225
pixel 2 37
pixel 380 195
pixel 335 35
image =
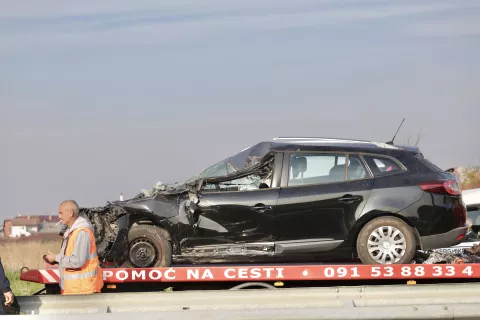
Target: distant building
pixel 7 228
pixel 25 226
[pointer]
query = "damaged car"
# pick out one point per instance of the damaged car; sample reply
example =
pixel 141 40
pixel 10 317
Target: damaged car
pixel 289 199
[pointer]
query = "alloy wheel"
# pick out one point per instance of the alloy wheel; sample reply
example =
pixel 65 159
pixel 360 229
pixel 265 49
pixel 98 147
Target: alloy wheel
pixel 386 245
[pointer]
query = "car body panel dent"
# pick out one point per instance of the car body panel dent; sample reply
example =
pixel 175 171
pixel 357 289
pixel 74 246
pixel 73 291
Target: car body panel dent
pixel 119 249
pixel 246 215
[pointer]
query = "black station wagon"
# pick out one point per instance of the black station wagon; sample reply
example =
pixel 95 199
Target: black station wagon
pixel 286 200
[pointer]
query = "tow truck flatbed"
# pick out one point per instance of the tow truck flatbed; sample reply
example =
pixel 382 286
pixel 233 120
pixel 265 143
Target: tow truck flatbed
pixel 229 275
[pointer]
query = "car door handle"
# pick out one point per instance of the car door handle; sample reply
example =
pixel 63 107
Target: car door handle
pixel 349 199
pixel 260 207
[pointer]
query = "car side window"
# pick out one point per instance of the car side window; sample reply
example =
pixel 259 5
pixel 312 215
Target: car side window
pixel 316 169
pixel 248 183
pixel 261 179
pixel 382 165
pixel 356 169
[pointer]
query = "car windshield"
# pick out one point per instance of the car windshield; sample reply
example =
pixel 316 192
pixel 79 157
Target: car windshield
pixel 240 161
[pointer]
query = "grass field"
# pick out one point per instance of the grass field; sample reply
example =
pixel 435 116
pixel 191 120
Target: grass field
pixel 22 288
pixel 18 254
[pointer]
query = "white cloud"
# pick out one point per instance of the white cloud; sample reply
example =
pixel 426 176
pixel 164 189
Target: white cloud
pixel 56 8
pixel 149 27
pixel 451 26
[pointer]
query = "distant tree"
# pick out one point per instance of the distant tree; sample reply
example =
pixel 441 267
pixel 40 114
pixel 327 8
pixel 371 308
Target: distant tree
pixel 470 178
pixel 419 136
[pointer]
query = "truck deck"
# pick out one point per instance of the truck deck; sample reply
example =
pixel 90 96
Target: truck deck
pixel 269 275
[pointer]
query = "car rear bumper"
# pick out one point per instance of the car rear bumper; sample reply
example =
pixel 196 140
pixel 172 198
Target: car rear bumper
pixel 444 240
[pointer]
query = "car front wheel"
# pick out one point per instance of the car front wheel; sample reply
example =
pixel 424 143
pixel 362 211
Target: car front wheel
pixel 148 248
pixel 386 240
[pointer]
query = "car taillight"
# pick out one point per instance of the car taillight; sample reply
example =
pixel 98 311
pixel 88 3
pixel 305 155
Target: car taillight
pixel 450 187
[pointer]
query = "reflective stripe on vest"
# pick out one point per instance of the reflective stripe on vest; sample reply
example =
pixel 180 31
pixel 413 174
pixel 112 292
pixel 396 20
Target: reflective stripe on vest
pixel 87 279
pixel 73 276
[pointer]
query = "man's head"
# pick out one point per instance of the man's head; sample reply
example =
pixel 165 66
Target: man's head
pixel 68 212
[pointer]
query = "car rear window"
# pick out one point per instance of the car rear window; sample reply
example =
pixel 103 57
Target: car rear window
pixel 382 165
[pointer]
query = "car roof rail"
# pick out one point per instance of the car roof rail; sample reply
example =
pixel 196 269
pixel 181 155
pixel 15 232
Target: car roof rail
pixel 325 140
pixel 320 139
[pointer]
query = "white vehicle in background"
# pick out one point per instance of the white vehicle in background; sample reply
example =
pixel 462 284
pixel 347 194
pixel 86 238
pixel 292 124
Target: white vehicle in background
pixel 471 198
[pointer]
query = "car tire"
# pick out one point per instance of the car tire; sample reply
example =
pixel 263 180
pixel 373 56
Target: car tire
pixel 397 243
pixel 148 248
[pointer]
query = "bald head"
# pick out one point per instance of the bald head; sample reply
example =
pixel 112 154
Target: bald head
pixel 69 212
pixel 71 205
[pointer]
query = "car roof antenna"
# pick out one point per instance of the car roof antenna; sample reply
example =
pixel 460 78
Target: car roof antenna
pixel 391 142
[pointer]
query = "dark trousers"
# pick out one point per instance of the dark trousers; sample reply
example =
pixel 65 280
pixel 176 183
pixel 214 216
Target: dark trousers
pixel 10 310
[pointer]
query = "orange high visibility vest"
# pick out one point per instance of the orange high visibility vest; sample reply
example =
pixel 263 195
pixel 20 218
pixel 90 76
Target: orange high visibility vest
pixel 89 278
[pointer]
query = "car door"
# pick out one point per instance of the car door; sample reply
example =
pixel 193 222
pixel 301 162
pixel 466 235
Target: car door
pixel 319 200
pixel 236 215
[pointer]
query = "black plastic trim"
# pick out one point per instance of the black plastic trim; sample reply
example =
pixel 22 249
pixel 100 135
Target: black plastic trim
pixel 306 246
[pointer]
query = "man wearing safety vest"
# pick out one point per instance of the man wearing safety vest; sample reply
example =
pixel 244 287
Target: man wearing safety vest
pixel 78 263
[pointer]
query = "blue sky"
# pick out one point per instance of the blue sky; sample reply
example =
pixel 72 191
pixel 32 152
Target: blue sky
pixel 103 97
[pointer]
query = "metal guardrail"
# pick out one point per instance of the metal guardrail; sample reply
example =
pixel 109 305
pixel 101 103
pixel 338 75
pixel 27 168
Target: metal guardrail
pixel 466 312
pixel 374 302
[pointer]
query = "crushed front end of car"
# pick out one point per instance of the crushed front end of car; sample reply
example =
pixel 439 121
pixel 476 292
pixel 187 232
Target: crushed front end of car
pixel 113 221
pixel 170 207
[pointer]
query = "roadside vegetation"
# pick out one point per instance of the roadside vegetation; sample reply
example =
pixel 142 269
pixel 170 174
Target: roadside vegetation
pixel 22 288
pixel 23 253
pixel 471 178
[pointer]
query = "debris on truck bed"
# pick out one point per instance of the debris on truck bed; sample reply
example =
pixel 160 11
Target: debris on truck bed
pixel 470 255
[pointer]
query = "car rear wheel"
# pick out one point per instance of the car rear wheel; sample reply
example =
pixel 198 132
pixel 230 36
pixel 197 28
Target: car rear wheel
pixel 386 240
pixel 148 247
